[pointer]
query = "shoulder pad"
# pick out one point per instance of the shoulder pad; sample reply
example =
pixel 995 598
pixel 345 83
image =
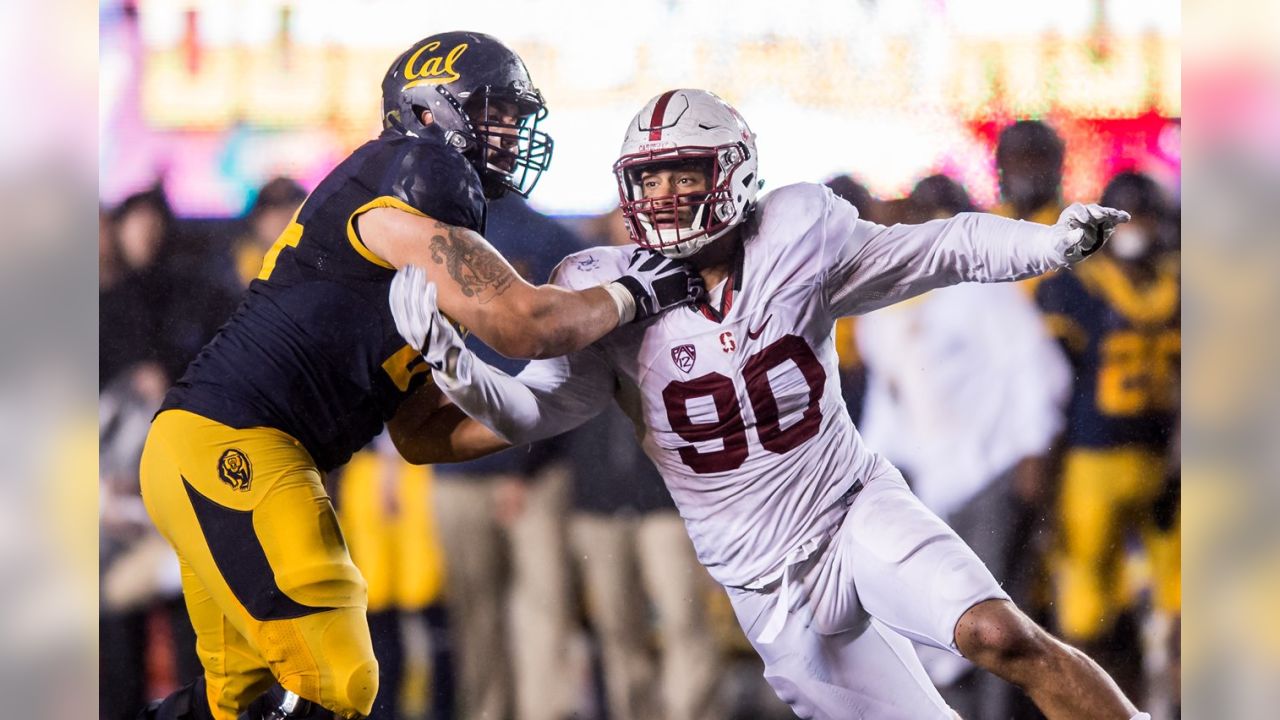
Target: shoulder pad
pixel 593 266
pixel 437 181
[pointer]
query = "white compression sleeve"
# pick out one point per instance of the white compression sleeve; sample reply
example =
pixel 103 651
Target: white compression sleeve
pixel 547 398
pixel 494 398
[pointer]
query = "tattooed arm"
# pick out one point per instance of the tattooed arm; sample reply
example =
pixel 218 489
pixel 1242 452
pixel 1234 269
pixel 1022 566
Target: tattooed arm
pixel 479 289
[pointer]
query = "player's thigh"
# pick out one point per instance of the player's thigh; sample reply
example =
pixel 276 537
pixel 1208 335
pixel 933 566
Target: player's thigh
pixel 866 671
pixel 904 565
pixel 246 511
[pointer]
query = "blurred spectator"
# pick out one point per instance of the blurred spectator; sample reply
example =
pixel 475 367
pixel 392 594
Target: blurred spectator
pixel 502 520
pixel 849 189
pixel 964 387
pixel 1118 316
pixel 640 570
pixel 140 583
pixel 938 196
pixel 154 314
pixel 385 510
pixel 272 211
pixel 1029 159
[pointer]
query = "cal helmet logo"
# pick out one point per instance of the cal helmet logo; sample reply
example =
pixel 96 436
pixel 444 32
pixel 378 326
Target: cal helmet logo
pixel 235 470
pixel 684 356
pixel 434 70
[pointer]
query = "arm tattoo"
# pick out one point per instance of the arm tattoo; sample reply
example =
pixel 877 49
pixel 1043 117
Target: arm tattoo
pixel 478 270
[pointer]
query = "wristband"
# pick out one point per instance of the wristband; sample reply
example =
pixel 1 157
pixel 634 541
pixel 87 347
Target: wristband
pixel 624 300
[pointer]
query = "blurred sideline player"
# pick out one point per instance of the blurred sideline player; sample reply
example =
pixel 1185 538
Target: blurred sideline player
pixel 1029 159
pixel 831 563
pixel 310 368
pixel 272 211
pixel 1119 319
pixel 384 505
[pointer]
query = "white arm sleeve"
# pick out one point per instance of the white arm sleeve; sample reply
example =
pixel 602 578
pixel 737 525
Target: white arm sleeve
pixel 870 266
pixel 547 398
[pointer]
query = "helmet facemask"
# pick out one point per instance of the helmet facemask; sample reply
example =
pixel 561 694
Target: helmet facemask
pixel 510 152
pixel 499 134
pixel 700 218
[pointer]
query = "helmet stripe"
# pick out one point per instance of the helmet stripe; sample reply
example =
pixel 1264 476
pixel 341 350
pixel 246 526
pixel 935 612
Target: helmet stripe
pixel 655 122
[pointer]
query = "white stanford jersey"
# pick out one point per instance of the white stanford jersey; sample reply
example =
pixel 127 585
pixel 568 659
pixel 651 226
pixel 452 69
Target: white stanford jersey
pixel 740 409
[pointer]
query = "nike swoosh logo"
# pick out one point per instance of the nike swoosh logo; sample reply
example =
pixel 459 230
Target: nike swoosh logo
pixel 753 334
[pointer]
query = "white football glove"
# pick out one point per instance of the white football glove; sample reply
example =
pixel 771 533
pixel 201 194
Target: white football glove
pixel 420 323
pixel 1086 228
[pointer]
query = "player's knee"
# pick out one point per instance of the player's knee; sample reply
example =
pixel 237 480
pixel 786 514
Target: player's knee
pixel 347 689
pixel 355 688
pixel 995 634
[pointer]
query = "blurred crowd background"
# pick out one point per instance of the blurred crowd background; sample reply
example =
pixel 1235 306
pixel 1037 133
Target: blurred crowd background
pixel 214 116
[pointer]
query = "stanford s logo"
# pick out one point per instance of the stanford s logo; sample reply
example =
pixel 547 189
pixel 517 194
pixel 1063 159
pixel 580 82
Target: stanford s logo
pixel 435 70
pixel 684 356
pixel 727 342
pixel 235 470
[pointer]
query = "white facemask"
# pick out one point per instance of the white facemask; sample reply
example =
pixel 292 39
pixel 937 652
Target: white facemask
pixel 1130 242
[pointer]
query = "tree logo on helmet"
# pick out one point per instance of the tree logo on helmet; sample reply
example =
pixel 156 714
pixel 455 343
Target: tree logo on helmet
pixel 435 70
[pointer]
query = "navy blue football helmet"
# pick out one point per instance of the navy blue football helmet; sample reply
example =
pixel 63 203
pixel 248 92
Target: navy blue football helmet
pixel 480 95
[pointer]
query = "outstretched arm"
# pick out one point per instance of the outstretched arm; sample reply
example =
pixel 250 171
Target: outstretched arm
pixel 478 288
pixel 873 266
pixel 547 398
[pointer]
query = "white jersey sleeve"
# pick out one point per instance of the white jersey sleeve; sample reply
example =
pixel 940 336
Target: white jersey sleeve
pixel 868 266
pixel 549 396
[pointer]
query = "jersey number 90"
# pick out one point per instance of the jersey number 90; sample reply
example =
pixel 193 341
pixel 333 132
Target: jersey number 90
pixel 730 427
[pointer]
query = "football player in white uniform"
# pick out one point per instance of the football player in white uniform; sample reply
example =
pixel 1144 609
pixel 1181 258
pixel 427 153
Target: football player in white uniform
pixel 830 562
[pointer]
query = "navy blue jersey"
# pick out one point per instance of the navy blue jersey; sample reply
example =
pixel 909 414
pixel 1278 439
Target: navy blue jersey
pixel 1125 343
pixel 313 350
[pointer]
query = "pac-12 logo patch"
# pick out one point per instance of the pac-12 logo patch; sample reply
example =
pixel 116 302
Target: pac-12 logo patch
pixel 235 470
pixel 684 356
pixel 586 263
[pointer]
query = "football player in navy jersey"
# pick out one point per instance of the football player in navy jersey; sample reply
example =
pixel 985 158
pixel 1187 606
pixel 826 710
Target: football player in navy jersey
pixel 310 368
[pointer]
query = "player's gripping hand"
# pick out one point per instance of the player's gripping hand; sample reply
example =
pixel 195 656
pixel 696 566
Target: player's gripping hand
pixel 654 283
pixel 1087 227
pixel 419 321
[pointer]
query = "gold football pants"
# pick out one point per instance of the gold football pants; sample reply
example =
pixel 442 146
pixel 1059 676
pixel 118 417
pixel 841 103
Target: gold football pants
pixel 384 504
pixel 1105 494
pixel 269 584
